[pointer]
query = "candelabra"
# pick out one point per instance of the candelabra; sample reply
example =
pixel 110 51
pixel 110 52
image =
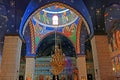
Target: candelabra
pixel 58 61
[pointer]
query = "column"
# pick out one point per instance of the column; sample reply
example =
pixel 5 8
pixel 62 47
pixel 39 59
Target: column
pixel 0 61
pixel 101 58
pixel 81 65
pixel 11 58
pixel 29 69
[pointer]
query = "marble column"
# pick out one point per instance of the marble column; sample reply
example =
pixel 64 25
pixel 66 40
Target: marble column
pixel 101 58
pixel 81 65
pixel 11 58
pixel 29 68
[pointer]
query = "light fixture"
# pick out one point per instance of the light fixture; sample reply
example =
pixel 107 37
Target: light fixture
pixel 113 69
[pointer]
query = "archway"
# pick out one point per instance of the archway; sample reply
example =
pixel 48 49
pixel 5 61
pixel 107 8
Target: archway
pixel 44 56
pixel 39 24
pixel 29 30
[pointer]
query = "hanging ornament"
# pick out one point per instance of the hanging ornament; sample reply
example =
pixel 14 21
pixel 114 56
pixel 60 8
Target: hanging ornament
pixel 58 61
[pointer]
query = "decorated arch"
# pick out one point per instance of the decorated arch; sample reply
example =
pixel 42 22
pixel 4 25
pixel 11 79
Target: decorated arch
pixel 37 22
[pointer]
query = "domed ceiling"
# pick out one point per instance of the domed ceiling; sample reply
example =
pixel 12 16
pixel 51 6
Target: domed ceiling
pixel 43 23
pixel 65 16
pixel 11 14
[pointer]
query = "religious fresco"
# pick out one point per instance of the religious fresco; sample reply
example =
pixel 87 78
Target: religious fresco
pixel 41 31
pixel 116 63
pixel 70 32
pixel 41 24
pixel 112 44
pixel 112 21
pixel 114 38
pixel 42 16
pixel 117 36
pixel 112 24
pixel 115 48
pixel 65 16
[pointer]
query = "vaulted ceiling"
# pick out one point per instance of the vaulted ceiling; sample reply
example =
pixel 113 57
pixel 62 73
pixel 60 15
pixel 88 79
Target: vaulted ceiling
pixel 11 12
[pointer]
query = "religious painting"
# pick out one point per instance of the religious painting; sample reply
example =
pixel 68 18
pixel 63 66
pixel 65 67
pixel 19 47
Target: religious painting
pixel 70 32
pixel 113 64
pixel 41 77
pixel 38 33
pixel 65 15
pixel 116 63
pixel 115 41
pixel 64 18
pixel 42 24
pixel 117 38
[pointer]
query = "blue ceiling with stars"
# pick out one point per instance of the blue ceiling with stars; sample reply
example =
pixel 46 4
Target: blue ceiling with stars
pixel 11 14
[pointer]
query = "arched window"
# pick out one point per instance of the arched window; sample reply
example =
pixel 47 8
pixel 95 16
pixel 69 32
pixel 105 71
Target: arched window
pixel 55 20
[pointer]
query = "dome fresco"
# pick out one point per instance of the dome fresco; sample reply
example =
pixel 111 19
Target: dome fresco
pixel 39 17
pixel 65 16
pixel 41 25
pixel 36 6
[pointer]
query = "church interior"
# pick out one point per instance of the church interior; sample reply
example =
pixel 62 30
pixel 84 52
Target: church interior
pixel 59 40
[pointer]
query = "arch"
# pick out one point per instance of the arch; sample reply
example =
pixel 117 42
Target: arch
pixel 51 38
pixel 78 7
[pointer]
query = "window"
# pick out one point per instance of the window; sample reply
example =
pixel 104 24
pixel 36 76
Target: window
pixel 55 20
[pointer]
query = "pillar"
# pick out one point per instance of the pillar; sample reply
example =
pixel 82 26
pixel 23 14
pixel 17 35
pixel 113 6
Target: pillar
pixel 81 65
pixel 29 68
pixel 0 61
pixel 101 58
pixel 11 58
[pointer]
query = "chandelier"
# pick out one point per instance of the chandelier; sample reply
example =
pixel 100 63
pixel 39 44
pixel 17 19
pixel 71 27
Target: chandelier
pixel 58 60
